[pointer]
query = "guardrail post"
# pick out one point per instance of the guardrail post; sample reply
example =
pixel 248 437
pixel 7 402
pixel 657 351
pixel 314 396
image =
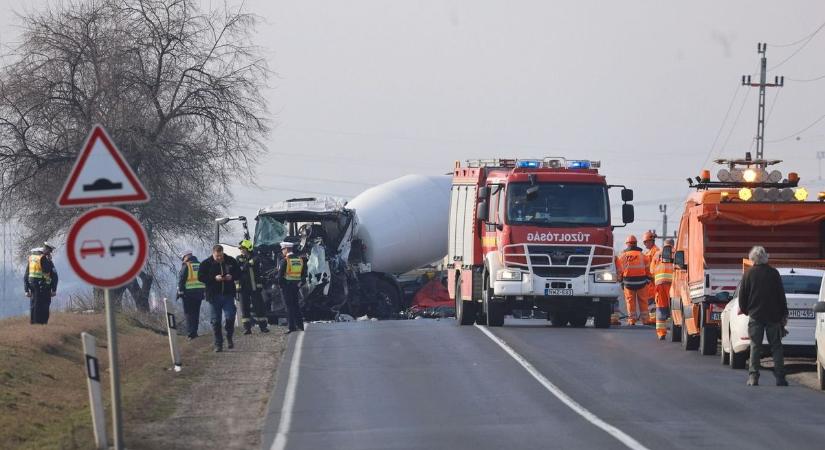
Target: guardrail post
pixel 95 396
pixel 172 329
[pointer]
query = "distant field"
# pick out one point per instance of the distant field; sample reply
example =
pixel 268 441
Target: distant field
pixel 43 394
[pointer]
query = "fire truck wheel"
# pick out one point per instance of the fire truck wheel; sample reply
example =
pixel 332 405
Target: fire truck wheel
pixel 558 318
pixel 820 374
pixel 708 337
pixel 602 317
pixel 465 312
pixel 495 314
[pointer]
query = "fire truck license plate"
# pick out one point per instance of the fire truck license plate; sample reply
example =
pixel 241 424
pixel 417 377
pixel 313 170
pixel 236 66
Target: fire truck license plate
pixel 801 314
pixel 558 292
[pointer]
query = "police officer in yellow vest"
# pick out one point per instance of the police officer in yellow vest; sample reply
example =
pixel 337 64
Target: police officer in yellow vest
pixel 40 283
pixel 191 291
pixel 291 275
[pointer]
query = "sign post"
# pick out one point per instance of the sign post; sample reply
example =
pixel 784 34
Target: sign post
pixel 107 247
pixel 172 328
pixel 95 397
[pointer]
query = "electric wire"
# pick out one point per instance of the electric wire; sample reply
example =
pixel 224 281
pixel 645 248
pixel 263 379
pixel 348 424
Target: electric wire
pixel 801 47
pixel 792 135
pixel 806 80
pixel 722 126
pixel 735 122
pixel 802 39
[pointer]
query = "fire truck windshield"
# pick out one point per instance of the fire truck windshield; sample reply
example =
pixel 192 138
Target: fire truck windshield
pixel 557 204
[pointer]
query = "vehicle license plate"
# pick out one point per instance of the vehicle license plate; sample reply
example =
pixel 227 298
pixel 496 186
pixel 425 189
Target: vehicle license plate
pixel 716 315
pixel 801 314
pixel 558 292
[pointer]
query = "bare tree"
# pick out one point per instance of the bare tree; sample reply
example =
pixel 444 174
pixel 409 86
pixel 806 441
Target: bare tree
pixel 179 90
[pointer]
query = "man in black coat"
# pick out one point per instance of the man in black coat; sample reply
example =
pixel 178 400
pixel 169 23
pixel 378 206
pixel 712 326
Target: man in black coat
pixel 762 297
pixel 218 273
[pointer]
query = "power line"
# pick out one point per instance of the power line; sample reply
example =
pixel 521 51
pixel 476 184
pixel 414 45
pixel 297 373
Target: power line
pixel 800 131
pixel 808 37
pixel 722 126
pixel 801 47
pixel 807 80
pixel 735 121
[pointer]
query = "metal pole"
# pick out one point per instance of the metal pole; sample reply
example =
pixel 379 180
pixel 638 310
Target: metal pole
pixel 760 125
pixel 111 333
pixel 95 396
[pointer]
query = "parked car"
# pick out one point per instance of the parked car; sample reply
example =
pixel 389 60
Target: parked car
pixel 92 247
pixel 819 313
pixel 802 289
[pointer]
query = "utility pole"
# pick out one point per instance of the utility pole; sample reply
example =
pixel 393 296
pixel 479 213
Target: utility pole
pixel 761 48
pixel 820 156
pixel 663 210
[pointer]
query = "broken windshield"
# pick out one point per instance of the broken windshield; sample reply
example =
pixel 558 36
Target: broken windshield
pixel 269 231
pixel 557 204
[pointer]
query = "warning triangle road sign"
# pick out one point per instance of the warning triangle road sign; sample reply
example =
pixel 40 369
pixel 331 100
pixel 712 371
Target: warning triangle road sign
pixel 101 176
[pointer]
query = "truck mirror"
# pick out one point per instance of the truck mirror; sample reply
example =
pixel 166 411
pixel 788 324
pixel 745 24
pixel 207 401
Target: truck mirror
pixel 483 193
pixel 628 214
pixel 481 210
pixel 627 195
pixel 679 260
pixel 819 307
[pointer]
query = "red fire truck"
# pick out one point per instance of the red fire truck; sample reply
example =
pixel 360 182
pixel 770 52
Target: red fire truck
pixel 536 233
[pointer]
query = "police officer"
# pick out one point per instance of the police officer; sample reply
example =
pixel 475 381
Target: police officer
pixel 40 283
pixel 291 275
pixel 191 291
pixel 250 290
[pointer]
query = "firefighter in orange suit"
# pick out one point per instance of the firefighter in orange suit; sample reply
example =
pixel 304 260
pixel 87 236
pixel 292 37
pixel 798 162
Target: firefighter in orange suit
pixel 662 269
pixel 651 251
pixel 633 270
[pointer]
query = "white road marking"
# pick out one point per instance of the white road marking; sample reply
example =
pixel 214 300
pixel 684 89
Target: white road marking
pixel 620 435
pixel 289 395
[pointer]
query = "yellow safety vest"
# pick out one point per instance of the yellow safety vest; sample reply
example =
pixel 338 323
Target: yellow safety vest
pixel 192 281
pixel 36 269
pixel 294 269
pixel 662 272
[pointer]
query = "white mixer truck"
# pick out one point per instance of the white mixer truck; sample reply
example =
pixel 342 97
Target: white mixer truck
pixel 354 250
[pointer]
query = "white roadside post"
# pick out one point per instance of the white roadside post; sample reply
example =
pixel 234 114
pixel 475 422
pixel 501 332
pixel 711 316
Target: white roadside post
pixel 95 397
pixel 172 329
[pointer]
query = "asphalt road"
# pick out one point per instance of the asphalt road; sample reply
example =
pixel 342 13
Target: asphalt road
pixel 428 384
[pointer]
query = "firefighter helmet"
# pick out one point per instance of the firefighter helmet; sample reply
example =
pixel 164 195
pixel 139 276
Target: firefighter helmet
pixel 246 244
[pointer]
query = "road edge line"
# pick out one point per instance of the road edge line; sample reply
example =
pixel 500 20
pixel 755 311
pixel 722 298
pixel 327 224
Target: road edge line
pixel 289 396
pixel 613 431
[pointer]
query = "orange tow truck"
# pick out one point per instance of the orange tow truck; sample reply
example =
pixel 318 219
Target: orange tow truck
pixel 748 205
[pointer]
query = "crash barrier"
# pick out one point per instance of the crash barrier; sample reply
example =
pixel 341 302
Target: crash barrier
pixel 172 329
pixel 95 397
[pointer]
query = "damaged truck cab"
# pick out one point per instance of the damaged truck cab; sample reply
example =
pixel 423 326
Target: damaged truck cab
pixel 530 234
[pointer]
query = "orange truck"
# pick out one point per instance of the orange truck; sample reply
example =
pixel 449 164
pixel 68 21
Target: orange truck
pixel 748 205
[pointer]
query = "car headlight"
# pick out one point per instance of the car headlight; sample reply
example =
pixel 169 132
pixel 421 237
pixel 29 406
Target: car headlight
pixel 508 275
pixel 605 277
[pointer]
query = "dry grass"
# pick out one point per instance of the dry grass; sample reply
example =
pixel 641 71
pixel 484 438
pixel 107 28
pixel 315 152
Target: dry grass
pixel 43 395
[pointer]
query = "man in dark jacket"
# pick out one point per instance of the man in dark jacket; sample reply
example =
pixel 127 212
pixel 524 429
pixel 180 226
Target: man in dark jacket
pixel 40 283
pixel 252 302
pixel 190 291
pixel 762 297
pixel 218 273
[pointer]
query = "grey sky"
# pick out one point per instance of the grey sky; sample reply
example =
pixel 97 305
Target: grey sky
pixel 371 90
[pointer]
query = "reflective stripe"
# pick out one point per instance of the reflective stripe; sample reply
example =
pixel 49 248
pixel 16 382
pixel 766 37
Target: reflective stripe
pixel 294 269
pixel 632 264
pixel 192 281
pixel 662 271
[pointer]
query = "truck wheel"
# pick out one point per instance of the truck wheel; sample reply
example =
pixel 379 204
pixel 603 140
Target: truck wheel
pixel 603 312
pixel 820 375
pixel 689 342
pixel 465 312
pixel 578 319
pixel 708 337
pixel 558 318
pixel 388 299
pixel 674 332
